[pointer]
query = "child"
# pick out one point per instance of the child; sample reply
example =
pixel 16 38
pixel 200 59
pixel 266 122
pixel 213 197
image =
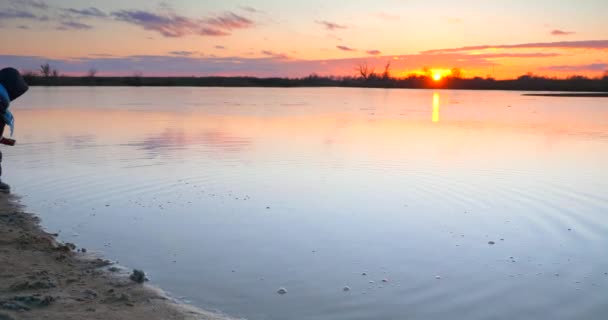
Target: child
pixel 12 86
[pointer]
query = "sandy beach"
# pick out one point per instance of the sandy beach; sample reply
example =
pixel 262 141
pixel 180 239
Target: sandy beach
pixel 41 278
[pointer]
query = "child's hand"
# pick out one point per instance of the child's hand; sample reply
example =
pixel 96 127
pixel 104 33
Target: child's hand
pixel 7 141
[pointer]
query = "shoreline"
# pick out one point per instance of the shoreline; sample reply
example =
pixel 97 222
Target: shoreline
pixel 569 95
pixel 42 278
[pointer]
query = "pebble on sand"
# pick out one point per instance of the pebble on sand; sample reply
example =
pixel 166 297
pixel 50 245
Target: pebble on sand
pixel 438 277
pixel 346 288
pixel 491 242
pixel 385 280
pixel 364 273
pixel 282 291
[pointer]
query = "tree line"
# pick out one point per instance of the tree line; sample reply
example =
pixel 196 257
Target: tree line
pixel 365 77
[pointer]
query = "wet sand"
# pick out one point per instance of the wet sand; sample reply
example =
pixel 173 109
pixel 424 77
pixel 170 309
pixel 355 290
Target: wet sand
pixel 41 278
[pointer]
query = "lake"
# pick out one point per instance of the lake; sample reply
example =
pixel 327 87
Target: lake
pixel 361 203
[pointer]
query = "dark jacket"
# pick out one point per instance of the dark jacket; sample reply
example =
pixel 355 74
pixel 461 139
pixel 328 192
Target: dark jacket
pixel 13 82
pixel 15 86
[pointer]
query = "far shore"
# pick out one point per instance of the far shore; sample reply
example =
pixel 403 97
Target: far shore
pixel 523 83
pixel 570 94
pixel 41 278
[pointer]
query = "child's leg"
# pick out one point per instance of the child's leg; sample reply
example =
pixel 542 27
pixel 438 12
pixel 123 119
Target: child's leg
pixel 4 188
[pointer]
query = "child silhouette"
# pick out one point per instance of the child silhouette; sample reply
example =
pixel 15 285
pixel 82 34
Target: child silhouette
pixel 12 86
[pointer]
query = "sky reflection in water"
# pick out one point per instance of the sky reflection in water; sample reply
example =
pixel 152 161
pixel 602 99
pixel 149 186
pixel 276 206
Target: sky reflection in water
pixel 225 195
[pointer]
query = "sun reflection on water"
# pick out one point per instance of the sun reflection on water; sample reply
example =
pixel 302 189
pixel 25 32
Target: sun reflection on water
pixel 435 107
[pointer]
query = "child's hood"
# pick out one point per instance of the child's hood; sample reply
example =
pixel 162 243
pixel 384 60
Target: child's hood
pixel 13 82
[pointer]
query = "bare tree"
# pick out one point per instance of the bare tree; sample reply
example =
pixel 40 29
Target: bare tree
pixel 137 78
pixel 456 73
pixel 365 72
pixel 92 73
pixel 45 70
pixel 55 73
pixel 387 71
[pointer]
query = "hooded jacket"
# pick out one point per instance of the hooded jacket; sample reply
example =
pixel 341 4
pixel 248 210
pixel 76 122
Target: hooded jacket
pixel 13 82
pixel 12 86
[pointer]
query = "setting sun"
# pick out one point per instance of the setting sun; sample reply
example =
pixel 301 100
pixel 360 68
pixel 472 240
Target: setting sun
pixel 437 76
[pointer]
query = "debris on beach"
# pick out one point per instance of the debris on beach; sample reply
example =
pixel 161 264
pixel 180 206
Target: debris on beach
pixel 67 247
pixel 36 285
pixel 89 294
pixel 116 297
pixel 491 243
pixel 438 277
pixel 282 291
pixel 25 303
pixel 138 276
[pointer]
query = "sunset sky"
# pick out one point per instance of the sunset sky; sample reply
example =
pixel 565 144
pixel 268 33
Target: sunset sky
pixel 499 38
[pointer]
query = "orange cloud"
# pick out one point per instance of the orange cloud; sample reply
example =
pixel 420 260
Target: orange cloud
pixel 558 32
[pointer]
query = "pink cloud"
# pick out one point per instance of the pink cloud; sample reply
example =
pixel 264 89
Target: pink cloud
pixel 230 21
pixel 588 44
pixel 271 65
pixel 558 32
pixel 273 54
pixel 206 31
pixel 174 25
pixel 331 25
pixel 345 48
pixel 579 68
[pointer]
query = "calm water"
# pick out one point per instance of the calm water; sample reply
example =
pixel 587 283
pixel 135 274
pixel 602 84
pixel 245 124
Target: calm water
pixel 225 195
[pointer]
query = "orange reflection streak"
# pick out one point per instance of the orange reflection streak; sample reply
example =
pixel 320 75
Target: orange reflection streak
pixel 435 117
